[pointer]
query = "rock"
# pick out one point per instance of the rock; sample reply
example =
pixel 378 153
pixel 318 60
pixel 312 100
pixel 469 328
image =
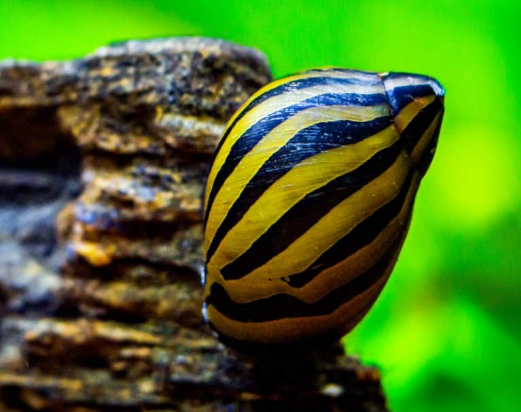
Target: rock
pixel 102 168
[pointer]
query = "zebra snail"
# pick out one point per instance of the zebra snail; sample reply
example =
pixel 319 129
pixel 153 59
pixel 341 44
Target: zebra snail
pixel 308 203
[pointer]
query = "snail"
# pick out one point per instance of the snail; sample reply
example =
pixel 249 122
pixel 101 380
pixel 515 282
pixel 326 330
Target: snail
pixel 308 203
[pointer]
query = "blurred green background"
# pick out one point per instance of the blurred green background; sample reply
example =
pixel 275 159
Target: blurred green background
pixel 446 330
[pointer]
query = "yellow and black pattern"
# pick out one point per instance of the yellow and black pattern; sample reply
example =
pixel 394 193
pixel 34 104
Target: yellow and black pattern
pixel 308 202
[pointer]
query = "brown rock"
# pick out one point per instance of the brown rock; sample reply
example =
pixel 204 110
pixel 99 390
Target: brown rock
pixel 102 169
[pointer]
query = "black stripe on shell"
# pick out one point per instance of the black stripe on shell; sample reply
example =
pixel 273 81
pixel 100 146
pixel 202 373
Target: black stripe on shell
pixel 295 85
pixel 256 132
pixel 401 96
pixel 419 124
pixel 291 349
pixel 306 143
pixel 308 211
pixel 362 235
pixel 428 154
pixel 286 306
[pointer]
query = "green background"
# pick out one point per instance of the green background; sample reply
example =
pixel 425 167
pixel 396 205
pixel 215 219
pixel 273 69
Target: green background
pixel 446 330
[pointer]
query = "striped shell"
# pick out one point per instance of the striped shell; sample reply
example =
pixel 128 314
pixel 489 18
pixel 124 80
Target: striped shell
pixel 309 200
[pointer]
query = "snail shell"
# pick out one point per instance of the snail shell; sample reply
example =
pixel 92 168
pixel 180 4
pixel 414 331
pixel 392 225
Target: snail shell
pixel 309 200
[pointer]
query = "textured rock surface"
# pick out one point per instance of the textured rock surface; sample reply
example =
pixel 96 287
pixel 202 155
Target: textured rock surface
pixel 102 166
